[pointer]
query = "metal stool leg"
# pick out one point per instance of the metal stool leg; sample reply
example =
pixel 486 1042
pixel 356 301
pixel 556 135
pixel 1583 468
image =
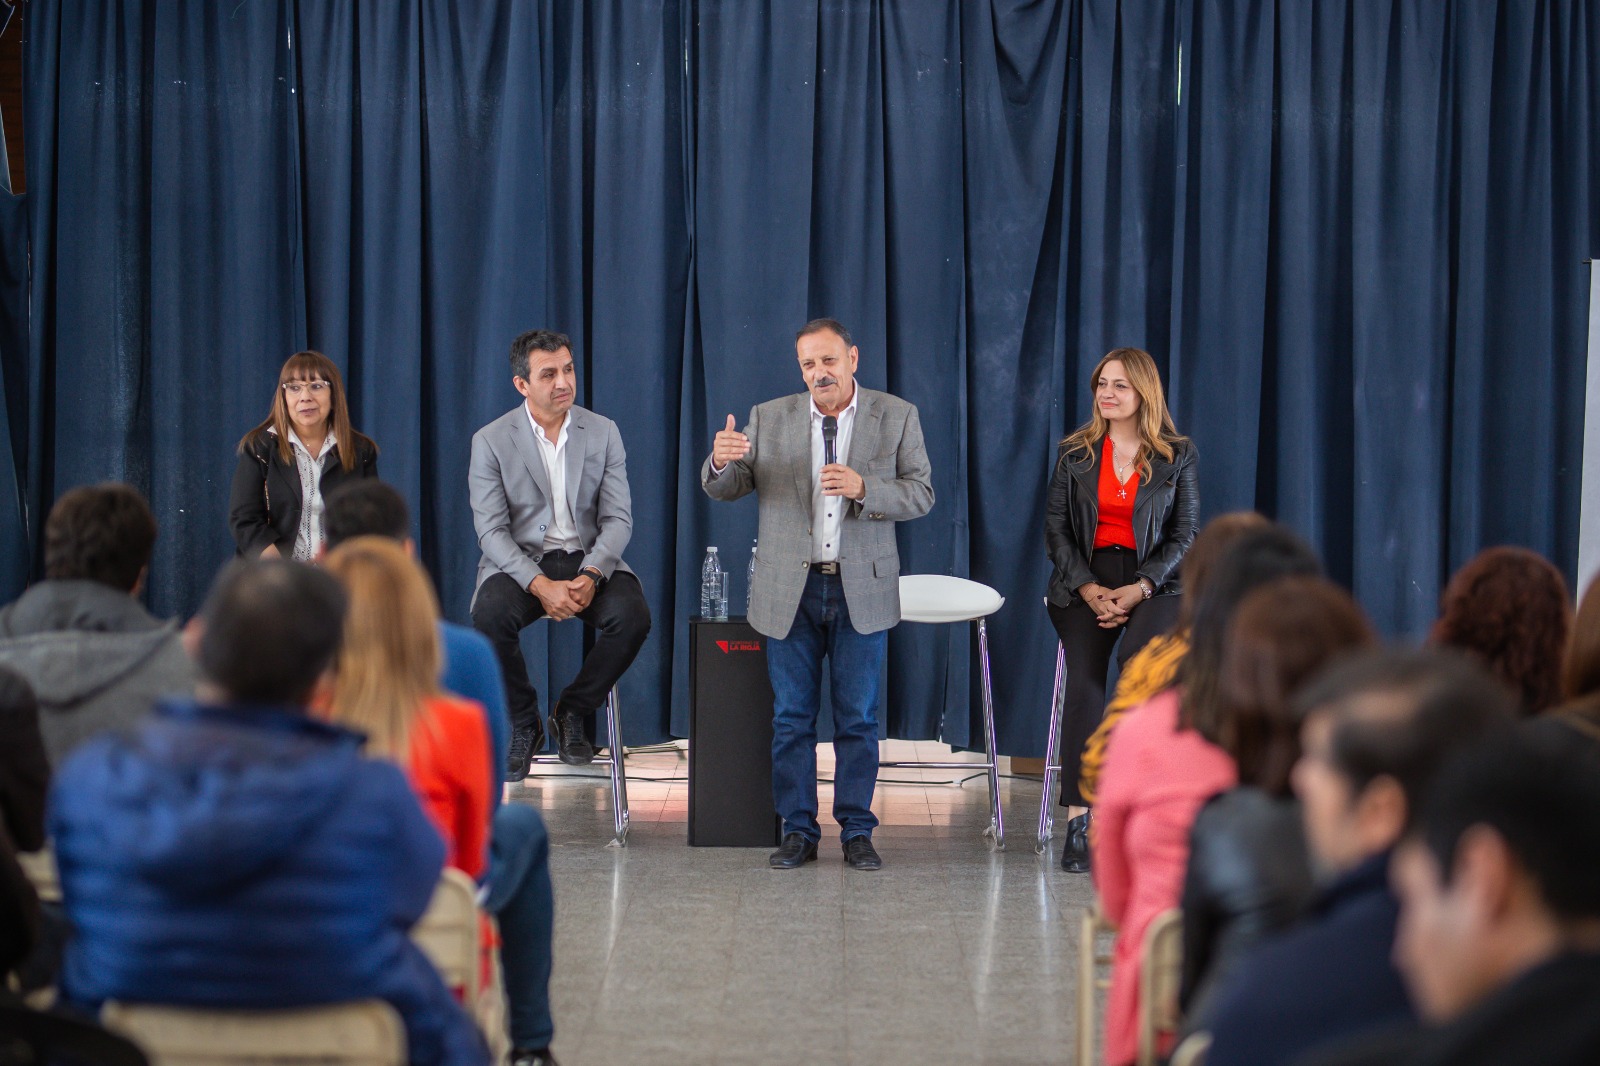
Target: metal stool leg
pixel 619 779
pixel 997 816
pixel 1052 756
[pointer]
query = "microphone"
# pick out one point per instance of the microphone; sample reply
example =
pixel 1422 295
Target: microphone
pixel 830 432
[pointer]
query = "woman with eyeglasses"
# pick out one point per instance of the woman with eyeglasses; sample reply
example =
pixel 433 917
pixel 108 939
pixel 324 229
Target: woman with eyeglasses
pixel 289 463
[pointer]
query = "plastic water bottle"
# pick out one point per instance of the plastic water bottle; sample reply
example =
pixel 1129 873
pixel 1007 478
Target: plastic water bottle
pixel 750 583
pixel 713 587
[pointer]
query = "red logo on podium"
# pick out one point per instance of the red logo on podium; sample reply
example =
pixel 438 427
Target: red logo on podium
pixel 738 645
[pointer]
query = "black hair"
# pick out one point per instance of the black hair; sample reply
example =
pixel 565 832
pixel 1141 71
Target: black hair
pixel 365 507
pixel 1541 797
pixel 535 340
pixel 817 325
pixel 1252 560
pixel 101 533
pixel 1401 714
pixel 271 627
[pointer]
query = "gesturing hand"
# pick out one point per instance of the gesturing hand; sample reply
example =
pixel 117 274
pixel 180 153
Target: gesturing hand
pixel 729 445
pixel 840 480
pixel 556 597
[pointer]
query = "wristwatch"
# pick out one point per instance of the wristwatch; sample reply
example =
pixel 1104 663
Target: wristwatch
pixel 594 576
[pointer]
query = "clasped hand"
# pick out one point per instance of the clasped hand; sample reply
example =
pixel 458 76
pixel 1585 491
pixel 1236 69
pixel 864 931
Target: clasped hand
pixel 563 599
pixel 1111 606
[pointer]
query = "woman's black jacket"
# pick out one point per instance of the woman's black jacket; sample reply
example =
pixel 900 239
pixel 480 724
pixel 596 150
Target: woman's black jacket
pixel 1166 510
pixel 264 505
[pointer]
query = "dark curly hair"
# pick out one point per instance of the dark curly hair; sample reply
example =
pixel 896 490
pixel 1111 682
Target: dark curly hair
pixel 1509 608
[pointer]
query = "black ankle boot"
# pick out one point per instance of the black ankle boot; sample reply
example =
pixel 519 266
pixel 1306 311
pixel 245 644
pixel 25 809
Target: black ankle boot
pixel 1075 848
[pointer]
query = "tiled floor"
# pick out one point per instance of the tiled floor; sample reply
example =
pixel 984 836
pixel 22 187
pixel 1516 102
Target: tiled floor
pixel 953 953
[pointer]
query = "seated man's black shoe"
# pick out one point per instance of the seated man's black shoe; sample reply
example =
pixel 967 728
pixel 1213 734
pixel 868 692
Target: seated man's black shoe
pixel 1075 848
pixel 571 744
pixel 519 757
pixel 859 854
pixel 541 1057
pixel 795 852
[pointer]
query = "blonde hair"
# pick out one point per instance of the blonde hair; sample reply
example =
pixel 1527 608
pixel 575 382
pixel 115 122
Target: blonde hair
pixel 1157 434
pixel 389 664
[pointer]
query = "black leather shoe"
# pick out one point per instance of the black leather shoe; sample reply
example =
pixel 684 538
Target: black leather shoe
pixel 795 852
pixel 571 745
pixel 542 1057
pixel 519 758
pixel 860 855
pixel 1075 848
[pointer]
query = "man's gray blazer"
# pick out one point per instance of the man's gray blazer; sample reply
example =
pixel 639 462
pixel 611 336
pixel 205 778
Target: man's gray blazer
pixel 886 449
pixel 510 493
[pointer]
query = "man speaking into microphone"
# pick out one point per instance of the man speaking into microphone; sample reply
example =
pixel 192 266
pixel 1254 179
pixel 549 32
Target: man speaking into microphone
pixel 834 468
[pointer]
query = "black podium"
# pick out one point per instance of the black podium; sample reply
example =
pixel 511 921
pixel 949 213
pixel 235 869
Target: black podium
pixel 730 737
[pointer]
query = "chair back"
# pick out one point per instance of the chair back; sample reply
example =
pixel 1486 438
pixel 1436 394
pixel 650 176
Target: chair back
pixel 942 598
pixel 1092 962
pixel 360 1033
pixel 449 933
pixel 1160 973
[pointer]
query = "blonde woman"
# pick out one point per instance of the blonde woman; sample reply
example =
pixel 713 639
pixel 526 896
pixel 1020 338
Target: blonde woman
pixel 387 686
pixel 1121 513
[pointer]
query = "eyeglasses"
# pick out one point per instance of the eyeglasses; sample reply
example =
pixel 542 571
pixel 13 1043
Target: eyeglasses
pixel 295 388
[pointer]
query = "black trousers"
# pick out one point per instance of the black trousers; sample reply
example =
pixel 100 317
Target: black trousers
pixel 618 614
pixel 1088 651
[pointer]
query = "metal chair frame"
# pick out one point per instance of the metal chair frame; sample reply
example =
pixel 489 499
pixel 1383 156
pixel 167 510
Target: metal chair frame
pixel 996 830
pixel 613 761
pixel 1052 755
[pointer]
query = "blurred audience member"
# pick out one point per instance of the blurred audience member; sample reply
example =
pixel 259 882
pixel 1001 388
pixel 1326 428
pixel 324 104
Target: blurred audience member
pixel 1249 875
pixel 1152 670
pixel 232 852
pixel 1375 730
pixel 1161 766
pixel 387 686
pixel 24 778
pixel 1580 673
pixel 1499 892
pixel 517 887
pixel 94 656
pixel 1509 608
pixel 372 508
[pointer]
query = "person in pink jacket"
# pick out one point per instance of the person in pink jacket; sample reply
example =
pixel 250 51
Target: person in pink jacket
pixel 1163 763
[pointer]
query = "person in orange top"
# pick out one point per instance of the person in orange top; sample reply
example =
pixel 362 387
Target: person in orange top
pixel 1121 512
pixel 387 686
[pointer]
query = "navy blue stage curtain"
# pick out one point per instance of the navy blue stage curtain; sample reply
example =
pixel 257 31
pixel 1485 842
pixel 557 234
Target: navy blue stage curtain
pixel 1351 232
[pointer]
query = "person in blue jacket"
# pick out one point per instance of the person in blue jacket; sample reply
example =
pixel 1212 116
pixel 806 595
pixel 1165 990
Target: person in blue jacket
pixel 230 851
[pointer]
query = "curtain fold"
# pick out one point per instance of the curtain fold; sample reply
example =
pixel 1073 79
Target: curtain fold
pixel 1352 234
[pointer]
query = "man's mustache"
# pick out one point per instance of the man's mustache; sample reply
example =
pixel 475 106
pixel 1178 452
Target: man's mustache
pixel 824 382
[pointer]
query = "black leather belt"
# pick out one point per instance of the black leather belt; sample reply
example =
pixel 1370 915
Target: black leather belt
pixel 826 568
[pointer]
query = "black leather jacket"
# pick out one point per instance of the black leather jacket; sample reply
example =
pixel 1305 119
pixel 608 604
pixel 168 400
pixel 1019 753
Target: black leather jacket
pixel 264 504
pixel 1165 513
pixel 1248 877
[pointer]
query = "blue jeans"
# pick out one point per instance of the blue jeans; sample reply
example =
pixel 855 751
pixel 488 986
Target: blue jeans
pixel 822 628
pixel 522 901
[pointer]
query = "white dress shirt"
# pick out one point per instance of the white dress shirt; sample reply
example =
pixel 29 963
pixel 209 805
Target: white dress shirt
pixel 827 512
pixel 308 538
pixel 563 532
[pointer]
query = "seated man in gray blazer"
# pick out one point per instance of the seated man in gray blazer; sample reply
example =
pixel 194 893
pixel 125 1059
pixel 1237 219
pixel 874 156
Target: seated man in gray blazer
pixel 835 468
pixel 550 502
